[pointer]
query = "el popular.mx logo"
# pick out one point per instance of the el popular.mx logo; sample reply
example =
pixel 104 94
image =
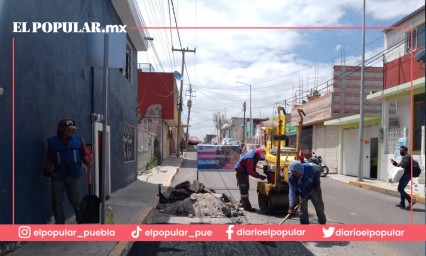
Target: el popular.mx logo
pixel 328 232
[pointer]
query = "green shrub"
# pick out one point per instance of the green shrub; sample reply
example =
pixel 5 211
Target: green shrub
pixel 154 163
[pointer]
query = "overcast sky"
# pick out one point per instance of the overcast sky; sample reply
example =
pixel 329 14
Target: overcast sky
pixel 277 62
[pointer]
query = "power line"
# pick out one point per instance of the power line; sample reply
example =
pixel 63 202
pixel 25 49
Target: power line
pixel 177 28
pixel 347 74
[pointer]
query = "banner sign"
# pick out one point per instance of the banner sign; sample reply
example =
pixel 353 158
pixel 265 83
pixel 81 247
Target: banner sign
pixel 222 232
pixel 222 157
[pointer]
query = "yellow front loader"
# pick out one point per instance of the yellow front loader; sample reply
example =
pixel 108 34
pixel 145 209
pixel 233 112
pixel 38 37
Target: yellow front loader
pixel 273 195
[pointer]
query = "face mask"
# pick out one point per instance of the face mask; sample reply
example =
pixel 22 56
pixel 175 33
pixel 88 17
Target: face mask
pixel 262 156
pixel 402 153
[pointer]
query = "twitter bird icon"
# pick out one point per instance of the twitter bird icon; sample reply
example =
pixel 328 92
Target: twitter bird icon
pixel 328 232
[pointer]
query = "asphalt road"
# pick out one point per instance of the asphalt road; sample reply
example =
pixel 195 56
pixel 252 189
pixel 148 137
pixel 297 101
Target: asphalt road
pixel 344 204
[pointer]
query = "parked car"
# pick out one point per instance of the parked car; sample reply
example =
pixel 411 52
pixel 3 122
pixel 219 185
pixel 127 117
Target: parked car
pixel 234 143
pixel 249 147
pixel 229 141
pixel 193 140
pixel 286 156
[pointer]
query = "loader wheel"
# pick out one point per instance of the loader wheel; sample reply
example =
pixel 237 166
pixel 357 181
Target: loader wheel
pixel 325 171
pixel 264 204
pixel 278 201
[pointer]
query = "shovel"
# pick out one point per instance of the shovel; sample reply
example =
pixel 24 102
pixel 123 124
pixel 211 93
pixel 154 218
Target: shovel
pixel 297 206
pixel 89 205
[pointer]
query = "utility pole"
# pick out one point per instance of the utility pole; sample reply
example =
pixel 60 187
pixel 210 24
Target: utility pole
pixel 220 130
pixel 189 104
pixel 361 104
pixel 251 121
pixel 244 123
pixel 178 139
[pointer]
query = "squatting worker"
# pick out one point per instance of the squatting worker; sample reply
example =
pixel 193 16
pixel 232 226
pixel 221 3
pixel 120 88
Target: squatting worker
pixel 247 166
pixel 65 153
pixel 304 178
pixel 406 177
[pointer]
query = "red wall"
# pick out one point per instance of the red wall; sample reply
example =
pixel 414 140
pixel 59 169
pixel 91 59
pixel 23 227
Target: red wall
pixel 398 71
pixel 156 88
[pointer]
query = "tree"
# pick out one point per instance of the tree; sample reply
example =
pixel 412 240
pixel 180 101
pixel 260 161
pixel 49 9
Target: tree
pixel 219 120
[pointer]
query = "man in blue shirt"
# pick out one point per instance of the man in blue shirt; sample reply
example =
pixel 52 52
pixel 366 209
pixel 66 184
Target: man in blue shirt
pixel 66 152
pixel 303 179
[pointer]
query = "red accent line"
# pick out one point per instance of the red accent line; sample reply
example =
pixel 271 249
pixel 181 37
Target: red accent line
pixel 278 28
pixel 13 130
pixel 411 131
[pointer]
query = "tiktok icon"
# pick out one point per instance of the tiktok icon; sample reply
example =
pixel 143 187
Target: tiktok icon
pixel 135 233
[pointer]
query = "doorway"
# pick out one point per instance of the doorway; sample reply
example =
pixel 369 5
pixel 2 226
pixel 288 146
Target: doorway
pixel 98 161
pixel 374 157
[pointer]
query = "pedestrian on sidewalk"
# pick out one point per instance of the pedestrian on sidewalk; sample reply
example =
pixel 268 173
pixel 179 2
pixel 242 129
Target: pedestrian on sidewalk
pixel 181 146
pixel 247 166
pixel 405 178
pixel 66 151
pixel 304 178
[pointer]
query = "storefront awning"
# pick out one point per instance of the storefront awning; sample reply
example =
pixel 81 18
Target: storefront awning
pixel 418 84
pixel 268 124
pixel 353 119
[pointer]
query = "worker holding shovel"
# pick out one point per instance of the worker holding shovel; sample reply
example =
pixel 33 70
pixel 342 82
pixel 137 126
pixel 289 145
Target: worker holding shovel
pixel 305 179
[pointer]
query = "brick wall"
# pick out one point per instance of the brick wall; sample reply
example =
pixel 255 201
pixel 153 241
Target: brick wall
pixel 325 143
pixel 346 89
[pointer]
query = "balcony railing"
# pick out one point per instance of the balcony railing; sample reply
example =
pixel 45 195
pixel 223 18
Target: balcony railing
pixel 145 67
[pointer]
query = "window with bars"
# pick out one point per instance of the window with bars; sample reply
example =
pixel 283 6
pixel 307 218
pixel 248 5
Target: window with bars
pixel 128 142
pixel 393 134
pixel 127 71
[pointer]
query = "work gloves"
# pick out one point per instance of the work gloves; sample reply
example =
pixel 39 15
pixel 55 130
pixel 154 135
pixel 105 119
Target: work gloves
pixel 48 172
pixel 290 211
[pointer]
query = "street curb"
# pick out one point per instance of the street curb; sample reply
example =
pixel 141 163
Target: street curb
pixel 418 197
pixel 170 180
pixel 374 188
pixel 143 217
pixel 122 248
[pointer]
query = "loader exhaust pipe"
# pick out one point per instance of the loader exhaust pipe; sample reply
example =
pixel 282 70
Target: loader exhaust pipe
pixel 299 132
pixel 280 128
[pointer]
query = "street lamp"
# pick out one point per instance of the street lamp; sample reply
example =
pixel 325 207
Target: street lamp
pixel 251 125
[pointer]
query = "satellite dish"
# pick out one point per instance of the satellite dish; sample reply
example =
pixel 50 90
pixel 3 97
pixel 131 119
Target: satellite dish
pixel 177 75
pixel 420 56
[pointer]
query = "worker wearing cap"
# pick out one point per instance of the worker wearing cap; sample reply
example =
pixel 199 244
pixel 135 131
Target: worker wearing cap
pixel 304 178
pixel 247 166
pixel 66 151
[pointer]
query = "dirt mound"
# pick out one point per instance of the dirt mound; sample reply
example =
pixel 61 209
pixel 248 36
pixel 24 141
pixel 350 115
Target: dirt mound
pixel 201 206
pixel 196 201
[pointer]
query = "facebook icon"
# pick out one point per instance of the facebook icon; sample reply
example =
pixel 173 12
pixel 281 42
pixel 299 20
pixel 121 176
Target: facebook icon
pixel 229 231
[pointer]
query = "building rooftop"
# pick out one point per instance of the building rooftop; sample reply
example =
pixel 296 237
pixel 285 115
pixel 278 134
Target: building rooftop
pixel 407 17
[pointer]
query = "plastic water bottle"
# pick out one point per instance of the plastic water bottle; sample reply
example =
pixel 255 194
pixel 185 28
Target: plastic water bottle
pixel 109 216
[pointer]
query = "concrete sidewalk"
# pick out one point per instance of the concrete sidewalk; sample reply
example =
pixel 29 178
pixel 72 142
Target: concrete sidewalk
pixel 381 186
pixel 163 174
pixel 134 204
